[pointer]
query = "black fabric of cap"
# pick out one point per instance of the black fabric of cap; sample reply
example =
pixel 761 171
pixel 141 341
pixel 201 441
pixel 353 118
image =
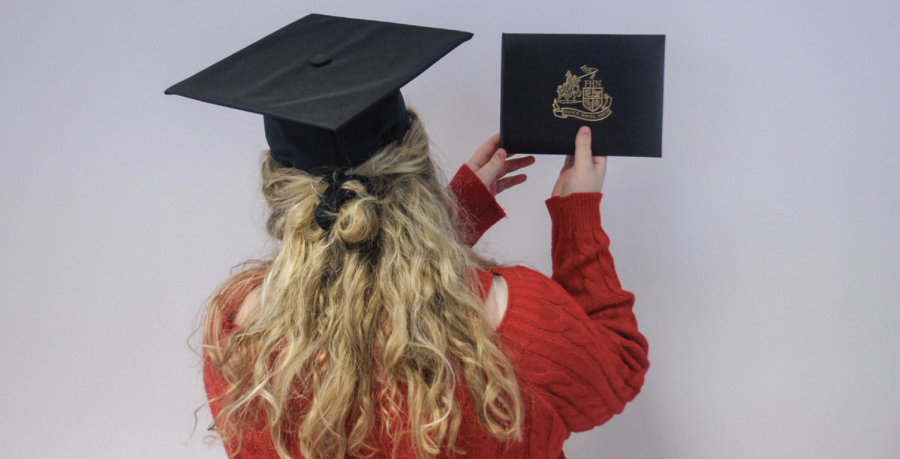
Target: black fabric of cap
pixel 328 87
pixel 335 196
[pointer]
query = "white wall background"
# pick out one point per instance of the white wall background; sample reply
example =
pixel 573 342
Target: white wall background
pixel 763 248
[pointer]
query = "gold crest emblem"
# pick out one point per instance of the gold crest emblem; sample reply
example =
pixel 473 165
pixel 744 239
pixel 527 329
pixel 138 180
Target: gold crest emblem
pixel 591 96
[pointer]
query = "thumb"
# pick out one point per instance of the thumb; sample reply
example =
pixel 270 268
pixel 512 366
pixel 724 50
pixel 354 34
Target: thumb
pixel 583 155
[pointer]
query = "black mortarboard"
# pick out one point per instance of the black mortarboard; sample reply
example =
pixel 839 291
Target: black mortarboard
pixel 552 84
pixel 328 87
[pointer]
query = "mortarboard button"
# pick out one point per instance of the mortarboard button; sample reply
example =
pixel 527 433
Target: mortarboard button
pixel 320 60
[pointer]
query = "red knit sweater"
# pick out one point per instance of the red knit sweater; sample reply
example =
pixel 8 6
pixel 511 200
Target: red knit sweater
pixel 573 338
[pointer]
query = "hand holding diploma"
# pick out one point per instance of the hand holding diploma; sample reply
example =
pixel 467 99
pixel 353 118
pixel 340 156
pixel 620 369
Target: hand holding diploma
pixel 581 173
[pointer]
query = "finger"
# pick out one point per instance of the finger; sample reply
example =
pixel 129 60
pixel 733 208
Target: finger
pixel 600 163
pixel 489 172
pixel 516 164
pixel 569 162
pixel 583 156
pixel 509 182
pixel 486 151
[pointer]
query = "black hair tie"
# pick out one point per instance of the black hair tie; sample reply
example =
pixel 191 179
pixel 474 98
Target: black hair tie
pixel 334 197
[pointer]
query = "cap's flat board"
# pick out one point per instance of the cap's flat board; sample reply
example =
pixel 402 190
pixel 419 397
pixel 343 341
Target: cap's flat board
pixel 542 109
pixel 321 71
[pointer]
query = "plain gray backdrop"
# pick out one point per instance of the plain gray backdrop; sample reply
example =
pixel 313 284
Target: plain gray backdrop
pixel 762 248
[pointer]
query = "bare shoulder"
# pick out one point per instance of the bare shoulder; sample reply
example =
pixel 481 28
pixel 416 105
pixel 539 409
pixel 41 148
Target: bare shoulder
pixel 496 301
pixel 250 303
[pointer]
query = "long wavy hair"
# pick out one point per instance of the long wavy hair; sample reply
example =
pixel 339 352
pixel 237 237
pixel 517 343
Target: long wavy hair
pixel 381 314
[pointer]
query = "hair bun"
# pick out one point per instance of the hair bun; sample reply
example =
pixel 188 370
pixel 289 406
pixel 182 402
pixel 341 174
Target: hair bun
pixel 347 209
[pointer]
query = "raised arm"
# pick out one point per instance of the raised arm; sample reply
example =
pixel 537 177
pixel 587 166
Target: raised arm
pixel 477 207
pixel 606 358
pixel 583 267
pixel 479 180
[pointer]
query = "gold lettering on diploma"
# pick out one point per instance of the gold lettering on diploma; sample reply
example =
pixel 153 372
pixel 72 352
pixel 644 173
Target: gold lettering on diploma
pixel 591 96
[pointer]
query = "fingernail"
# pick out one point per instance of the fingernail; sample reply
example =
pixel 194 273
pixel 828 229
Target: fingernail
pixel 585 132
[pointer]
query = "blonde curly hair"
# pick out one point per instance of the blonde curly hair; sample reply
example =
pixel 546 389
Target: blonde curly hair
pixel 382 312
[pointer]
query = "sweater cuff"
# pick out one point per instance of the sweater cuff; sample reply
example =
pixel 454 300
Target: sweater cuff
pixel 475 201
pixel 575 212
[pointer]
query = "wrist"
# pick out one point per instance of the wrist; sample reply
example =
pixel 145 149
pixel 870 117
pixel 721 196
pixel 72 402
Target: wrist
pixel 575 212
pixel 581 188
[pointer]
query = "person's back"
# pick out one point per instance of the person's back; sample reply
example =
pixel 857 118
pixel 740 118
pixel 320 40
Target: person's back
pixel 367 333
pixel 508 364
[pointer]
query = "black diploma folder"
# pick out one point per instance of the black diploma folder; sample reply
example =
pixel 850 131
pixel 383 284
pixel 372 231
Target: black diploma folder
pixel 553 84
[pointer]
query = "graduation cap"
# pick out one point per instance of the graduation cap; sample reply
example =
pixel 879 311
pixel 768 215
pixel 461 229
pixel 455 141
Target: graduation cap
pixel 328 87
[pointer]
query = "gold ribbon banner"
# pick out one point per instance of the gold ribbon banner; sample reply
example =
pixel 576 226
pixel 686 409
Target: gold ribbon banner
pixel 587 116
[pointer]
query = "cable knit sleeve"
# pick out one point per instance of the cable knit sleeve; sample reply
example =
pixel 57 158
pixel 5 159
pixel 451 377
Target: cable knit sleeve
pixel 584 268
pixel 574 336
pixel 478 210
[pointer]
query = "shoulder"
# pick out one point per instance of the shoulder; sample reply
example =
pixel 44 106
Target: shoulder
pixel 533 302
pixel 496 301
pixel 530 281
pixel 237 290
pixel 519 273
pixel 541 313
pixel 247 306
